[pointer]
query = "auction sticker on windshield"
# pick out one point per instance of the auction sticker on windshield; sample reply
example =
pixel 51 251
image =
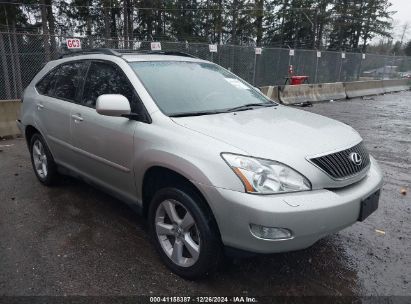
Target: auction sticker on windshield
pixel 238 84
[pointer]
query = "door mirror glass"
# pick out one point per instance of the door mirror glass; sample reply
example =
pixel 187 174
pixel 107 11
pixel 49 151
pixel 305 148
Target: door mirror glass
pixel 112 105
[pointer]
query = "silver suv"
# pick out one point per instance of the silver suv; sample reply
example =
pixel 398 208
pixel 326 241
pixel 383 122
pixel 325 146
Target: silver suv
pixel 209 160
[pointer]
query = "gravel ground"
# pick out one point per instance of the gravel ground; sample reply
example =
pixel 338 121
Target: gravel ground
pixel 75 240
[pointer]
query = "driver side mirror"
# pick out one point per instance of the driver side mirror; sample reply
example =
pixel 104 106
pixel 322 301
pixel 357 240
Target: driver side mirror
pixel 113 105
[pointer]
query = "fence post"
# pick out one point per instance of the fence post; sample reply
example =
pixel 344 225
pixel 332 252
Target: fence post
pixel 219 56
pixel 316 66
pixel 394 62
pixel 255 63
pixel 341 63
pixel 18 66
pixel 4 66
pixel 13 70
pixel 232 59
pixel 278 64
pixel 360 67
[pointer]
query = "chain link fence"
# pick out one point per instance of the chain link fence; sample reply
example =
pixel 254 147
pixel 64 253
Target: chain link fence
pixel 23 55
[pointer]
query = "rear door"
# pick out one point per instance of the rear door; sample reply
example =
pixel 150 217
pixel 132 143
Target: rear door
pixel 104 145
pixel 58 92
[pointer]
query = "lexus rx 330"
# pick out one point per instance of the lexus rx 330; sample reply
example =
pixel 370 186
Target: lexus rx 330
pixel 207 158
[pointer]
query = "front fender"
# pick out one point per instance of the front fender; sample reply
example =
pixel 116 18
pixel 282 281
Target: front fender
pixel 208 171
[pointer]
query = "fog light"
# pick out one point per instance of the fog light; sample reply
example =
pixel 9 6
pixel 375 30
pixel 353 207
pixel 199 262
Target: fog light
pixel 270 233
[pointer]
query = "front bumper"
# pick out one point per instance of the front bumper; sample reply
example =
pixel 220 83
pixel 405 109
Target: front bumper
pixel 310 215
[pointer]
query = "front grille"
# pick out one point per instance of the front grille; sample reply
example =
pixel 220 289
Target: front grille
pixel 340 166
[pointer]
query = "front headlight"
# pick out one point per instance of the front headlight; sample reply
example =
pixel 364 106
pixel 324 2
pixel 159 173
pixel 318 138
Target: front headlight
pixel 262 176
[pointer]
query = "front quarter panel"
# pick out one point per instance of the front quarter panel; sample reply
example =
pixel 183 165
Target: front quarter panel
pixel 193 155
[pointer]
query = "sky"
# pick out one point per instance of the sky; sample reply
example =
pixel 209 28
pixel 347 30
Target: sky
pixel 401 16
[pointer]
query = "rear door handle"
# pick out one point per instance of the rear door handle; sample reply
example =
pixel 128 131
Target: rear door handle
pixel 77 118
pixel 40 106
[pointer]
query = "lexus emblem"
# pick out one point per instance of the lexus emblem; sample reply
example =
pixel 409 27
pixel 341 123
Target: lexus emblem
pixel 355 158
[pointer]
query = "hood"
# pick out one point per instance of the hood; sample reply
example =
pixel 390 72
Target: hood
pixel 268 131
pixel 278 133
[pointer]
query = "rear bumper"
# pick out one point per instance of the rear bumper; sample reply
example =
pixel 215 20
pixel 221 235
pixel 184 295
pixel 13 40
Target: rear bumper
pixel 309 215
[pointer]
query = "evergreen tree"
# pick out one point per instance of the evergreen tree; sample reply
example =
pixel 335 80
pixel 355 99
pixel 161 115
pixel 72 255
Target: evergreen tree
pixel 334 24
pixel 407 49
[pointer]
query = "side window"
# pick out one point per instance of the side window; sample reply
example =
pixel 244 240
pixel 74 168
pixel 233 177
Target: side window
pixel 105 78
pixel 68 79
pixel 46 85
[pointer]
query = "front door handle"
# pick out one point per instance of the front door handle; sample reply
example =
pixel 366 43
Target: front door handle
pixel 77 118
pixel 40 106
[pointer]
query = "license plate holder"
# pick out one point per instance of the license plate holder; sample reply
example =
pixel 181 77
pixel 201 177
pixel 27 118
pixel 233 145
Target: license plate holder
pixel 369 205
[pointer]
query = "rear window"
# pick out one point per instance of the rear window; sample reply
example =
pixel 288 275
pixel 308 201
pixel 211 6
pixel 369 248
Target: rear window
pixel 63 82
pixel 46 85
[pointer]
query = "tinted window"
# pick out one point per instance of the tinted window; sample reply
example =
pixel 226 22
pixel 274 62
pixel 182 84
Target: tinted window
pixel 104 78
pixel 68 79
pixel 46 85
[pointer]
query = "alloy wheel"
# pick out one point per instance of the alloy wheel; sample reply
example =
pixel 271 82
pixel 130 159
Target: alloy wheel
pixel 177 233
pixel 40 159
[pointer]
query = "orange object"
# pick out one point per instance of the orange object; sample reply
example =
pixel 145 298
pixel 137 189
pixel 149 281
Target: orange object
pixel 296 80
pixel 246 183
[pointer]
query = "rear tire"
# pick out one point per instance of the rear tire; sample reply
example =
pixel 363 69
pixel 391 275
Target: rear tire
pixel 184 232
pixel 43 162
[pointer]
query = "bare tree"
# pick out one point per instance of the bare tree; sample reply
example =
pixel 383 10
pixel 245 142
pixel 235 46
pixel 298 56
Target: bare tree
pixel 404 33
pixel 107 27
pixel 259 5
pixel 51 24
pixel 45 27
pixel 16 52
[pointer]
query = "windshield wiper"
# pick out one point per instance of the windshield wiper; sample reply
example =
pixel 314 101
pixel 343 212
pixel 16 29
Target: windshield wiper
pixel 250 106
pixel 240 108
pixel 200 113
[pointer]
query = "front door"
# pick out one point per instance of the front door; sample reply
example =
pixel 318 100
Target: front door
pixel 104 145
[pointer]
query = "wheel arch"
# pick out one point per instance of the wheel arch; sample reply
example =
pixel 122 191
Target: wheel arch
pixel 157 177
pixel 29 132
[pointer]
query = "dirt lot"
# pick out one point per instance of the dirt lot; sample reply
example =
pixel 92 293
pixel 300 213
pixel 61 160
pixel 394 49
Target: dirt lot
pixel 75 240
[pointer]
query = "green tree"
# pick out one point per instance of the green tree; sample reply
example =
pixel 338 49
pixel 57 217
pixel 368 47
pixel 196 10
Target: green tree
pixel 183 25
pixel 376 21
pixel 407 49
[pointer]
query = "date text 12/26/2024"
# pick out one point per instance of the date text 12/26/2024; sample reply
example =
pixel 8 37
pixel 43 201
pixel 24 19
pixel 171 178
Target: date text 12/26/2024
pixel 235 299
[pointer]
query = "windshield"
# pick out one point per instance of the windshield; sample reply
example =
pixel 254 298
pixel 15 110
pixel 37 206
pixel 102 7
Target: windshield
pixel 184 88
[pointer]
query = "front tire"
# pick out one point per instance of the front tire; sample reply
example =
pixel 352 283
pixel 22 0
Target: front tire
pixel 43 163
pixel 184 232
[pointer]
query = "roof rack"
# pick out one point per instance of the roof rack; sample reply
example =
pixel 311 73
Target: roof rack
pixel 149 52
pixel 105 51
pixel 121 52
